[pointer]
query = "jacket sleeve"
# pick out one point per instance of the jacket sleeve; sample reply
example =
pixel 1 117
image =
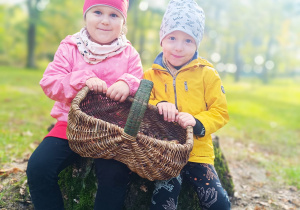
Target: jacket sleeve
pixel 152 100
pixel 216 115
pixel 135 72
pixel 59 82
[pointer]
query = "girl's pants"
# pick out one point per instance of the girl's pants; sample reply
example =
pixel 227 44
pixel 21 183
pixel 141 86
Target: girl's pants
pixel 205 182
pixel 52 156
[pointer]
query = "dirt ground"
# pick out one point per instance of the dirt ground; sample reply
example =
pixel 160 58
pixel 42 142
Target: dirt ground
pixel 254 190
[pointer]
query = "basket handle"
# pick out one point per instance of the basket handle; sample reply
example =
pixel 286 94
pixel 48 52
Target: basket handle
pixel 138 108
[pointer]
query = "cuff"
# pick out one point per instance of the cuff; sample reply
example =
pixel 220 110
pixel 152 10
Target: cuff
pixel 199 129
pixel 160 102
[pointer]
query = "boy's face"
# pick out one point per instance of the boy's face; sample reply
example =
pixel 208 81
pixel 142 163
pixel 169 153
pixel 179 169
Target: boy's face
pixel 178 48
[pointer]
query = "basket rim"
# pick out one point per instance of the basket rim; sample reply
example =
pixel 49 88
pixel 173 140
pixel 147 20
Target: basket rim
pixel 85 90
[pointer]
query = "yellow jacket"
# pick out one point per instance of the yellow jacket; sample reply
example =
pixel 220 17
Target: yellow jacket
pixel 197 89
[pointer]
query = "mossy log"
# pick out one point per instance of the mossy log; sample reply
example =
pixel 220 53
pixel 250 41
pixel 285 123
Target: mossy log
pixel 79 185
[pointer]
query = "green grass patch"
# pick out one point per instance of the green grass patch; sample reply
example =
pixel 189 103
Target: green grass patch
pixel 267 116
pixel 24 113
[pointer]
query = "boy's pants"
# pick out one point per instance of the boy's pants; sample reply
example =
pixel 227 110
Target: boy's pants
pixel 52 156
pixel 205 181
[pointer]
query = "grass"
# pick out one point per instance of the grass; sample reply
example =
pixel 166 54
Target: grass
pixel 24 112
pixel 266 116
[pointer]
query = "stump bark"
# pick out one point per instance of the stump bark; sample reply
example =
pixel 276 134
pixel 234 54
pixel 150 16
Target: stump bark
pixel 79 184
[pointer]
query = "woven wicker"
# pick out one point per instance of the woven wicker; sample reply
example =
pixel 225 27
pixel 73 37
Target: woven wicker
pixel 132 132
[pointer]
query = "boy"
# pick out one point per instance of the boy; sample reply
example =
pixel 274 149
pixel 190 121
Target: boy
pixel 187 90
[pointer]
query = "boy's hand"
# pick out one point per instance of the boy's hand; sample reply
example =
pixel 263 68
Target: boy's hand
pixel 118 91
pixel 168 110
pixel 185 119
pixel 96 84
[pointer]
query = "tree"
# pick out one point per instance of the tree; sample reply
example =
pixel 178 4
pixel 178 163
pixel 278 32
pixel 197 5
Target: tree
pixel 31 33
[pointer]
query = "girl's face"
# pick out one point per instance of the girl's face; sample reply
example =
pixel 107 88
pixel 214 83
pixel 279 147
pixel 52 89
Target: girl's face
pixel 104 24
pixel 178 48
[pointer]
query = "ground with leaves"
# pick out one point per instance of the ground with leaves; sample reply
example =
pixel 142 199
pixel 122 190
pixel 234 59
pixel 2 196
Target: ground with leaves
pixel 254 189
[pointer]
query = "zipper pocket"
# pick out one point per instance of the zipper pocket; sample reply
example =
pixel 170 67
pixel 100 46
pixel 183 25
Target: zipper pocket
pixel 185 86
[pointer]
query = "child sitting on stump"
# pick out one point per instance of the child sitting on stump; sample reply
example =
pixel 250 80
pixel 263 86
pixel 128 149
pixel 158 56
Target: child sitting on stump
pixel 188 90
pixel 101 58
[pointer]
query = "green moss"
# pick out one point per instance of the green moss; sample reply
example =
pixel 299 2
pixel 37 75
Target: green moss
pixel 78 184
pixel 188 198
pixel 222 169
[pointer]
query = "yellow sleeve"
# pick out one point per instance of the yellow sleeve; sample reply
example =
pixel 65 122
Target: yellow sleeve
pixel 216 115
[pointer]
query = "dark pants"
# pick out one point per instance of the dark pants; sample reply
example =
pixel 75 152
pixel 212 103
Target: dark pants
pixel 205 181
pixel 52 156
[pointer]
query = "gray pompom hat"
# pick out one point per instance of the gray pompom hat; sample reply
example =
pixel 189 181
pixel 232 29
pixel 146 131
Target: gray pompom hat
pixel 185 16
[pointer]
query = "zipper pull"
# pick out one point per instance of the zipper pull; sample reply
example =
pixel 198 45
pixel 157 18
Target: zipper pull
pixel 186 86
pixel 166 87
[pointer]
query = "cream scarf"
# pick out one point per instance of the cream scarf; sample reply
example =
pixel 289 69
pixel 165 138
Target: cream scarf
pixel 93 52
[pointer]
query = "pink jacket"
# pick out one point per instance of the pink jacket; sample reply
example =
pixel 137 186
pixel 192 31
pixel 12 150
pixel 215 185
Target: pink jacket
pixel 68 72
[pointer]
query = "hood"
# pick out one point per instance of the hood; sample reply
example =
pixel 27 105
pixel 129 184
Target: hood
pixel 69 40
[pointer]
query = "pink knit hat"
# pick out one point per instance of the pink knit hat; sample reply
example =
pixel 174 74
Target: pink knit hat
pixel 120 5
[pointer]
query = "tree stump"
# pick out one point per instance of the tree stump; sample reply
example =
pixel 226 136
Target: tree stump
pixel 79 184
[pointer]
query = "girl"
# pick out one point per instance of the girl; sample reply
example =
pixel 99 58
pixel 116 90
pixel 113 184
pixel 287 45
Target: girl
pixel 100 57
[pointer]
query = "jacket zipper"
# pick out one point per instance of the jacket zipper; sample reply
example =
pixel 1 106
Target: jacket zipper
pixel 175 93
pixel 174 84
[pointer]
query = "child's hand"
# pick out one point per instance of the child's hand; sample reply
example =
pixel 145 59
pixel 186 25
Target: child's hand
pixel 96 84
pixel 168 110
pixel 118 91
pixel 185 119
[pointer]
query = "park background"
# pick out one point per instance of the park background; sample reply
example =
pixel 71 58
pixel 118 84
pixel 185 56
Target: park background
pixel 253 44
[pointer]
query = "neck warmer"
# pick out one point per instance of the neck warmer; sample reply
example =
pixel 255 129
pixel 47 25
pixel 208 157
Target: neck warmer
pixel 93 52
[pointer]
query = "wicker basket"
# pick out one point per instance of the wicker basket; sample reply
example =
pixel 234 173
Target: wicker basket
pixel 132 132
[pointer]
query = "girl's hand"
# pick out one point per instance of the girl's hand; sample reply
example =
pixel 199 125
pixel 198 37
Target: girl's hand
pixel 96 84
pixel 168 110
pixel 185 119
pixel 118 91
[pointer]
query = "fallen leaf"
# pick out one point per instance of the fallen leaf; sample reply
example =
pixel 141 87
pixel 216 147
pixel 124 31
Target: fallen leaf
pixel 6 172
pixel 33 145
pixel 259 208
pixel 22 191
pixel 27 133
pixel 256 196
pixel 144 188
pixel 13 180
pixel 284 206
pixel 263 203
pixel 293 189
pixel 268 173
pixel 295 202
pixel 18 160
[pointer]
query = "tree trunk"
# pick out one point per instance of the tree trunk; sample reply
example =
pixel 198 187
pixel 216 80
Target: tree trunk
pixel 238 61
pixel 31 33
pixel 30 46
pixel 79 185
pixel 265 76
